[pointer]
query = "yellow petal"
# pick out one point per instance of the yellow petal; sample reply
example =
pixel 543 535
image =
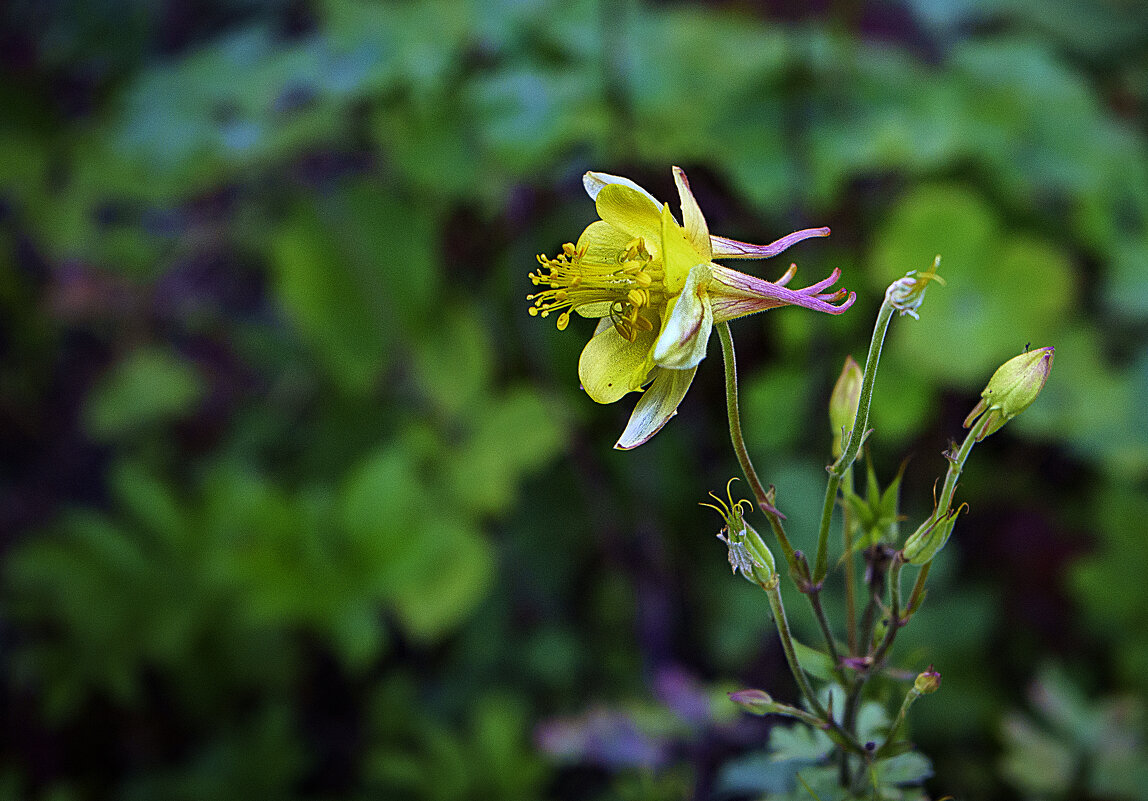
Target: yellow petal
pixel 611 365
pixel 631 212
pixel 657 405
pixel 595 181
pixel 682 342
pixel 603 243
pixel 697 232
pixel 678 255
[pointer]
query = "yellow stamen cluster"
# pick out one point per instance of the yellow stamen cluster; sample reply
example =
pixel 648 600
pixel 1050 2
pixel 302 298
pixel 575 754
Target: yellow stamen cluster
pixel 626 282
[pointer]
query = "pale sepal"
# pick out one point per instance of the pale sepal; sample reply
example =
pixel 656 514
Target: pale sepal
pixel 697 232
pixel 656 406
pixel 595 181
pixel 686 333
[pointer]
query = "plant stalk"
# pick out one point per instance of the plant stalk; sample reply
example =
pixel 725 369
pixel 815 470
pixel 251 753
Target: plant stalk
pixel 856 437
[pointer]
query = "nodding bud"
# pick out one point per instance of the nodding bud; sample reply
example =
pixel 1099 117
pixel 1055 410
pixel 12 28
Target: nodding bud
pixel 928 682
pixel 906 294
pixel 1011 390
pixel 843 403
pixel 756 702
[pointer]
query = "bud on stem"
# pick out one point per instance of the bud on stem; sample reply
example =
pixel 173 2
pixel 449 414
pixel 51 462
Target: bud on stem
pixel 1012 389
pixel 843 403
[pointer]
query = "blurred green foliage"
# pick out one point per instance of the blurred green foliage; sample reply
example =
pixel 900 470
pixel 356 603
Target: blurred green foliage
pixel 299 503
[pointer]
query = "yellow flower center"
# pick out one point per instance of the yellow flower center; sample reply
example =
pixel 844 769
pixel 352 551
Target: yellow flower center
pixel 626 287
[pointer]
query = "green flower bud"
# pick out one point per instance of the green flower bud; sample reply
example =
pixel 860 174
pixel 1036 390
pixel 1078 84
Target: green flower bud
pixel 928 682
pixel 924 543
pixel 843 403
pixel 756 702
pixel 1011 390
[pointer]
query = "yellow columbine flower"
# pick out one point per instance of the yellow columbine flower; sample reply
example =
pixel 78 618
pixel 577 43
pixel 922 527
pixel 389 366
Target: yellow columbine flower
pixel 657 292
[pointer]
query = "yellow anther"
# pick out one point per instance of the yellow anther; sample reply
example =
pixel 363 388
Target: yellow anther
pixel 623 279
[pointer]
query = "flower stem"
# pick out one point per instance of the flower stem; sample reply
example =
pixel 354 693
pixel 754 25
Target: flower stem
pixel 764 500
pixel 839 735
pixel 774 593
pixel 956 465
pixel 856 437
pixel 850 579
pixel 895 621
pixel 823 622
pixel 898 722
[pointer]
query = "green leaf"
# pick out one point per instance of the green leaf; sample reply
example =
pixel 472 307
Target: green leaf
pixel 482 474
pixel 529 115
pixel 910 768
pixel 149 387
pixel 814 662
pixel 384 507
pixel 448 571
pixel 455 360
pixel 798 742
pixel 335 301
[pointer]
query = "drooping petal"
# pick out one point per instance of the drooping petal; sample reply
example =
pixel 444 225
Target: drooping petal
pixel 686 333
pixel 678 255
pixel 611 365
pixel 735 294
pixel 697 232
pixel 631 212
pixel 657 405
pixel 732 249
pixel 595 181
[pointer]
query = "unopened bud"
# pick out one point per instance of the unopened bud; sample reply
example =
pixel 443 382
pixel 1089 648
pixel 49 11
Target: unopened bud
pixel 843 403
pixel 928 682
pixel 755 702
pixel 1012 389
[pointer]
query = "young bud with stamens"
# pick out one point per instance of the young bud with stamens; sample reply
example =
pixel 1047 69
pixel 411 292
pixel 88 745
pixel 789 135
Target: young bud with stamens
pixel 748 553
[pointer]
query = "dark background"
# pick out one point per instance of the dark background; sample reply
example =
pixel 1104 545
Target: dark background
pixel 296 501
